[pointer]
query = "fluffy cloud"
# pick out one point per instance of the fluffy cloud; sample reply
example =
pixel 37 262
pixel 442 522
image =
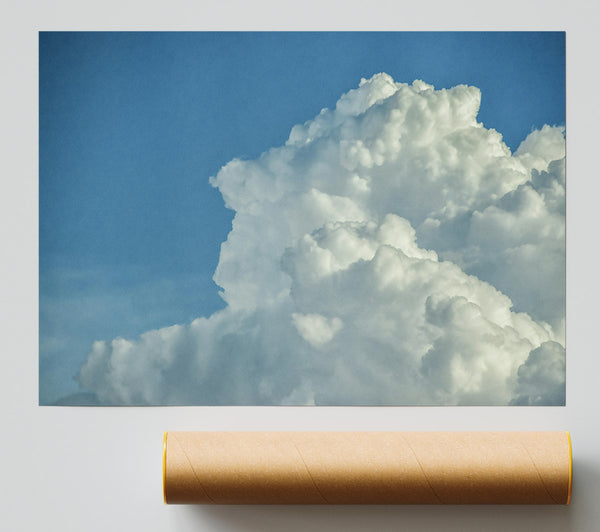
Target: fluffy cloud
pixel 317 330
pixel 393 251
pixel 541 379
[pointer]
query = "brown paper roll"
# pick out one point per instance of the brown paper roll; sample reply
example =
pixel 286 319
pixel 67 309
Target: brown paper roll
pixel 367 467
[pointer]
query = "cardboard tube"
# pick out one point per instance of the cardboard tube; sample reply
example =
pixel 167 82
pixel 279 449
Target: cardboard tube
pixel 367 467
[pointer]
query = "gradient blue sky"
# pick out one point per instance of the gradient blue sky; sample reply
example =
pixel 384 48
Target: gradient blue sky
pixel 132 125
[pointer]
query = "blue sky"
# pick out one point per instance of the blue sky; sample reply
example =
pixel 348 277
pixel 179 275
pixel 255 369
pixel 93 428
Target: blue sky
pixel 132 125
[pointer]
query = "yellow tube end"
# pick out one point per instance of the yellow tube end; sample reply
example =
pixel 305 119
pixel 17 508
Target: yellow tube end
pixel 164 468
pixel 570 467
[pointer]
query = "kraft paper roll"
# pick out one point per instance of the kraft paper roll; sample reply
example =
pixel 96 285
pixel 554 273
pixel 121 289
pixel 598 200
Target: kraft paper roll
pixel 367 467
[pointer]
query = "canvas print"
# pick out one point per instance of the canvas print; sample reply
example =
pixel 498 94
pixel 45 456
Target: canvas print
pixel 233 218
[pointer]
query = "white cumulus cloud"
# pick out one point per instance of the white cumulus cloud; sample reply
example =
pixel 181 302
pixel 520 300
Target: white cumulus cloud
pixel 316 329
pixel 393 251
